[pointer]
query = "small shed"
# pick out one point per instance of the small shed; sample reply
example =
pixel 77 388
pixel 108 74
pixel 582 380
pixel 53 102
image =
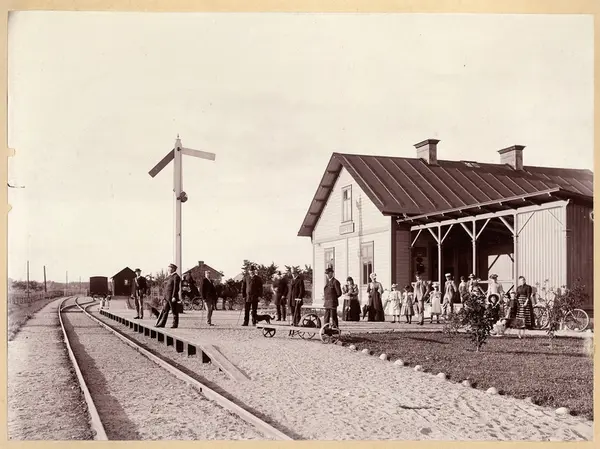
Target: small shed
pixel 198 271
pixel 122 282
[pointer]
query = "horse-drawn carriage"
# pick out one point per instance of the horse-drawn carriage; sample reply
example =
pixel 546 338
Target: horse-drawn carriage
pixel 310 324
pixel 99 290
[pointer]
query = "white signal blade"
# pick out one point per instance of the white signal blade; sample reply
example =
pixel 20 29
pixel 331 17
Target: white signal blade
pixel 200 154
pixel 162 164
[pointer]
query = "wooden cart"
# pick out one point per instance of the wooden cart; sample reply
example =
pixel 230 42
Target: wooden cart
pixel 310 325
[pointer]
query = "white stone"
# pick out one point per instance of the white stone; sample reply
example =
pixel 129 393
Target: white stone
pixel 352 347
pixel 366 351
pixel 562 411
pixel 418 368
pixel 492 390
pixel 399 362
pixel 383 356
pixel 466 383
pixel 441 376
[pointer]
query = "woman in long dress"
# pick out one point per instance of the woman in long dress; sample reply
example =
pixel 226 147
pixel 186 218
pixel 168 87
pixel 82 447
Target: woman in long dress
pixel 351 304
pixel 436 302
pixel 393 303
pixel 375 290
pixel 525 311
pixel 407 304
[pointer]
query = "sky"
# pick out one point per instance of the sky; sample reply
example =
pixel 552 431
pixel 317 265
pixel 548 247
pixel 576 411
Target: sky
pixel 97 99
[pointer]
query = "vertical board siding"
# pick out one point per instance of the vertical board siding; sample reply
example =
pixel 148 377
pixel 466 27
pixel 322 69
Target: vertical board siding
pixel 542 247
pixel 580 248
pixel 368 221
pixel 402 259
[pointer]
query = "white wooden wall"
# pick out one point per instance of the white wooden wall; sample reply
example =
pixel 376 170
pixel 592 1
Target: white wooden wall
pixel 374 227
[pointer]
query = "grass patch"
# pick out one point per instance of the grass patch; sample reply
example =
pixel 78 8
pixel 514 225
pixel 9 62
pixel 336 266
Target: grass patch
pixel 557 375
pixel 18 314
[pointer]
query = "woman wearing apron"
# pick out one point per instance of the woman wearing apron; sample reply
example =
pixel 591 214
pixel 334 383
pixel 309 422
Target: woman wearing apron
pixel 525 311
pixel 351 304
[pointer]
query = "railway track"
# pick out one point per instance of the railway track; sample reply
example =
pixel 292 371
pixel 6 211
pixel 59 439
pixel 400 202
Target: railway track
pixel 101 419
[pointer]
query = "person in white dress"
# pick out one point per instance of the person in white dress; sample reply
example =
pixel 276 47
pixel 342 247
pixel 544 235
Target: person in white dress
pixel 393 303
pixel 407 304
pixel 436 302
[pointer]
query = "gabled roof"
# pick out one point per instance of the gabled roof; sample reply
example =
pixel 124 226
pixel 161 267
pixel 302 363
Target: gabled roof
pixel 125 270
pixel 400 186
pixel 205 267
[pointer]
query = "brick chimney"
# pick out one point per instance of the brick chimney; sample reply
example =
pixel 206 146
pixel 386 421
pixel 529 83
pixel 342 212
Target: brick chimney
pixel 427 150
pixel 512 156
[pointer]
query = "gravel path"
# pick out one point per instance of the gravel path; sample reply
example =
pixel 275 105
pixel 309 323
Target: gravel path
pixel 138 400
pixel 328 392
pixel 44 399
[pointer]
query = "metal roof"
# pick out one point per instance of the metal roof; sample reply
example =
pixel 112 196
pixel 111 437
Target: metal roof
pixel 401 186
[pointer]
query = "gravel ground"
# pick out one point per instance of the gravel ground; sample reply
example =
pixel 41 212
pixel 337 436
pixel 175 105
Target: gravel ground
pixel 327 392
pixel 44 399
pixel 138 400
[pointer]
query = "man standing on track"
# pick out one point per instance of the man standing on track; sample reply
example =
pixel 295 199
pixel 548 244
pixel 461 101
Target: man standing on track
pixel 140 288
pixel 296 296
pixel 332 292
pixel 170 298
pixel 252 290
pixel 209 294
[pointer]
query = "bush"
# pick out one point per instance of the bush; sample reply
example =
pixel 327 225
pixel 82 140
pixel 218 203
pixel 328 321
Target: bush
pixel 565 301
pixel 475 317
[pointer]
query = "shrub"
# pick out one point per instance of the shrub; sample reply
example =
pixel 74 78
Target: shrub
pixel 475 317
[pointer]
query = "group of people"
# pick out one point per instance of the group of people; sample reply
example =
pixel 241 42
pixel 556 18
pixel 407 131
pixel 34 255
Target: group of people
pixel 173 290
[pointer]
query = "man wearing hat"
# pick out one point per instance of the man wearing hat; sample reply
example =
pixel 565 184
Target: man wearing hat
pixel 140 287
pixel 170 298
pixel 420 293
pixel 209 294
pixel 450 295
pixel 296 294
pixel 252 290
pixel 332 292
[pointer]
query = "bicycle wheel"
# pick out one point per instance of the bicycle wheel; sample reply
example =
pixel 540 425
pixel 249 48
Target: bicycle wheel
pixel 541 317
pixel 197 304
pixel 577 320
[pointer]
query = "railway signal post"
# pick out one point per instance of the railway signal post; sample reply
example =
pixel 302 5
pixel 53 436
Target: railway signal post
pixel 180 196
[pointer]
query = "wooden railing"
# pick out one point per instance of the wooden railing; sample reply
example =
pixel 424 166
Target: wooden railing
pixel 27 298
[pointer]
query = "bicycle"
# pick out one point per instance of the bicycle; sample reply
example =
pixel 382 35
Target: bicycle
pixel 575 320
pixel 194 303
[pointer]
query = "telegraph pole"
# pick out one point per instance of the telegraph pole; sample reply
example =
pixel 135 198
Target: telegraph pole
pixel 27 281
pixel 179 195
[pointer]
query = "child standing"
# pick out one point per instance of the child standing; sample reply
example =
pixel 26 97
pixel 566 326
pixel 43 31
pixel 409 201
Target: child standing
pixel 407 304
pixel 436 302
pixel 393 303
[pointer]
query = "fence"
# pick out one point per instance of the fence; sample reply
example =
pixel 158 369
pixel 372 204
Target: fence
pixel 25 298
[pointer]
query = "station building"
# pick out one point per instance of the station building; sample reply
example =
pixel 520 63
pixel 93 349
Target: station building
pixel 397 216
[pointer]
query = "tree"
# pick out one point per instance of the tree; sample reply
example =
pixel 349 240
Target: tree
pixel 475 317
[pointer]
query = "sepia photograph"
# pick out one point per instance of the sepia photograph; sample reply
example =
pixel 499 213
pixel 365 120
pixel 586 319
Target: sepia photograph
pixel 300 226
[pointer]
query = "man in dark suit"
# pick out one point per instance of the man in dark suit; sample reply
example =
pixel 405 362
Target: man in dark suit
pixel 170 298
pixel 296 295
pixel 281 292
pixel 209 294
pixel 332 291
pixel 252 290
pixel 140 288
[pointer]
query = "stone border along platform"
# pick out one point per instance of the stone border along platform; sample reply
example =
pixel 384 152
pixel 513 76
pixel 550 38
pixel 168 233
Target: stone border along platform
pixel 208 352
pixel 442 376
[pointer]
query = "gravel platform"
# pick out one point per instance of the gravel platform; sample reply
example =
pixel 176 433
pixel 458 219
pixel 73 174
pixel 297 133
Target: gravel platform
pixel 44 399
pixel 138 400
pixel 328 392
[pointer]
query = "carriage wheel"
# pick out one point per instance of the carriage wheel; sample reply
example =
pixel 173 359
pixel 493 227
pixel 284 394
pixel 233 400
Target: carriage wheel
pixel 187 304
pixel 268 332
pixel 197 304
pixel 311 320
pixel 329 334
pixel 541 317
pixel 577 320
pixel 306 335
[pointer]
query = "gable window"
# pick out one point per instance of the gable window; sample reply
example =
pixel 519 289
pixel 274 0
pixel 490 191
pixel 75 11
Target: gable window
pixel 347 204
pixel 329 259
pixel 366 261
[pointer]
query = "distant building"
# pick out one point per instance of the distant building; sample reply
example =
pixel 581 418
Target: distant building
pixel 122 282
pixel 198 272
pixel 397 216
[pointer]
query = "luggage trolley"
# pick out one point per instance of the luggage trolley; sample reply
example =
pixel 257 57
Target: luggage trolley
pixel 327 332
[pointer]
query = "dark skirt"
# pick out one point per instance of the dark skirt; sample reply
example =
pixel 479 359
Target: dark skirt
pixel 351 310
pixel 375 307
pixel 524 318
